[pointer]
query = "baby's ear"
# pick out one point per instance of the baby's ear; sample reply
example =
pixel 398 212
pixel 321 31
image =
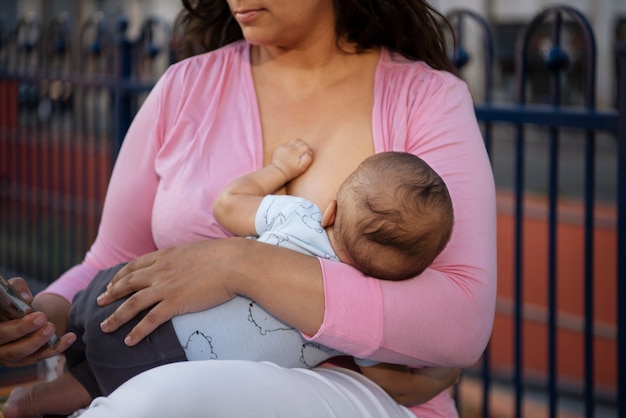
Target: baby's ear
pixel 328 218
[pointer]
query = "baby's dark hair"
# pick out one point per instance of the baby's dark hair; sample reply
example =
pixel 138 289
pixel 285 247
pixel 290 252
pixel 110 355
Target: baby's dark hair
pixel 410 215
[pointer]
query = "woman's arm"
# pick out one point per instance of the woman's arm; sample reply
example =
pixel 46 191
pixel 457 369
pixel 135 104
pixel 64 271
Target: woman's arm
pixel 444 316
pixel 412 386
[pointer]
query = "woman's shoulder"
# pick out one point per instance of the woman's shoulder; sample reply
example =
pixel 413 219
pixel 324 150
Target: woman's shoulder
pixel 401 81
pixel 205 74
pixel 226 58
pixel 395 68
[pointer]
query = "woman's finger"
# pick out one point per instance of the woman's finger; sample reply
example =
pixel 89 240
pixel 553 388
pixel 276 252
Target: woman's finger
pixel 22 287
pixel 131 307
pixel 122 288
pixel 33 348
pixel 18 328
pixel 127 281
pixel 157 316
pixel 145 261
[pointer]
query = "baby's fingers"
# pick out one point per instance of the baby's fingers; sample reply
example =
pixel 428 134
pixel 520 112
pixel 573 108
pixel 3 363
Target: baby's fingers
pixel 305 160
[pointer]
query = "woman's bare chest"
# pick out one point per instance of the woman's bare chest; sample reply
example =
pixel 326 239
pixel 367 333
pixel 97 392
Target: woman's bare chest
pixel 336 124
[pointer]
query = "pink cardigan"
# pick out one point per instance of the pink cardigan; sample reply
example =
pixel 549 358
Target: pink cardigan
pixel 199 128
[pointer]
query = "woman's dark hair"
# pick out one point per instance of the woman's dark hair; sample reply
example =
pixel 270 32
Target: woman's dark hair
pixel 411 28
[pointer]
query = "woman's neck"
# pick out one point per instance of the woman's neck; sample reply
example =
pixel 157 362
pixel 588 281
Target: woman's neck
pixel 313 67
pixel 315 52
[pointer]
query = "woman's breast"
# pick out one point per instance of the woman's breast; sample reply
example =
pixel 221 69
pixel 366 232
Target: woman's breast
pixel 335 157
pixel 191 177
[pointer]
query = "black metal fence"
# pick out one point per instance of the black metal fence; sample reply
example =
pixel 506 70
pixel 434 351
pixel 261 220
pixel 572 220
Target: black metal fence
pixel 67 97
pixel 559 122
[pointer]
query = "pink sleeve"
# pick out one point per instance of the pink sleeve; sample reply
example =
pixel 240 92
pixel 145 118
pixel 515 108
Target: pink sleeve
pixel 128 204
pixel 445 315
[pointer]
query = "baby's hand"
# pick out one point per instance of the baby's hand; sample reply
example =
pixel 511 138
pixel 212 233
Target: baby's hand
pixel 293 158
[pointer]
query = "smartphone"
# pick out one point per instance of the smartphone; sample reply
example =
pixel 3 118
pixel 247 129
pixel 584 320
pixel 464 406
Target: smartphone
pixel 13 306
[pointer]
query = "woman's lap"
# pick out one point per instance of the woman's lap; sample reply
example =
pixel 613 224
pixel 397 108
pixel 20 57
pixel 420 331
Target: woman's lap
pixel 234 388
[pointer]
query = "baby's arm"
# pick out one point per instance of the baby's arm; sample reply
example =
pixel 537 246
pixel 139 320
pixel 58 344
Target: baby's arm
pixel 235 208
pixel 409 386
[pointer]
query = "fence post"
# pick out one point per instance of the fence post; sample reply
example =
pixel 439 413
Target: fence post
pixel 621 233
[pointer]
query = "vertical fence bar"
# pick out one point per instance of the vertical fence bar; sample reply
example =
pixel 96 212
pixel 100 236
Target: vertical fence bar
pixel 488 61
pixel 588 292
pixel 518 300
pixel 589 220
pixel 553 189
pixel 518 340
pixel 621 235
pixel 555 62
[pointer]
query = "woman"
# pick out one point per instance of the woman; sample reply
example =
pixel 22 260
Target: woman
pixel 351 78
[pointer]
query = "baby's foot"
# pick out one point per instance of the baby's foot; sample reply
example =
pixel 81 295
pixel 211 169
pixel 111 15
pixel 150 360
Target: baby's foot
pixel 20 404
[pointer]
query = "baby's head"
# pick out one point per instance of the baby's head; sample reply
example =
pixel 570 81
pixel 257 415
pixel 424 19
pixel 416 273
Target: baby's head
pixel 393 216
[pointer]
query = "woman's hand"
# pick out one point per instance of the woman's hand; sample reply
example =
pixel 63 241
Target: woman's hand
pixel 169 282
pixel 23 341
pixel 198 276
